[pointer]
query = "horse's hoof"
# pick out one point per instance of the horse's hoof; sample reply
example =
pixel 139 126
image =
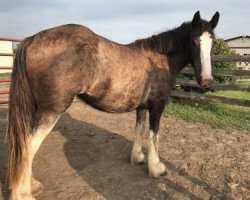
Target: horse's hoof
pixel 36 187
pixel 156 170
pixel 137 158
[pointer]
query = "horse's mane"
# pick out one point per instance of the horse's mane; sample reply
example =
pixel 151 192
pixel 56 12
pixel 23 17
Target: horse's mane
pixel 167 41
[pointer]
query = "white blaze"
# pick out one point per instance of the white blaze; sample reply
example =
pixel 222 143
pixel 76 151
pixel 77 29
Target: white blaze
pixel 205 50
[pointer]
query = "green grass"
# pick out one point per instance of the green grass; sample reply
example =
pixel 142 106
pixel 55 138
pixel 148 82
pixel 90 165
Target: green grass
pixel 4 86
pixel 216 114
pixel 5 75
pixel 232 94
pixel 243 83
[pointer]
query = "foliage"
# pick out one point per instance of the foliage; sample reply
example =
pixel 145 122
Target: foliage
pixel 222 48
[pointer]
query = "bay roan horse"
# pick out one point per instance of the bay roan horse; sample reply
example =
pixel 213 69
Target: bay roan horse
pixel 56 65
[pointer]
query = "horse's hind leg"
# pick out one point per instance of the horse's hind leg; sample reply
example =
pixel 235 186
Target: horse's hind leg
pixel 43 123
pixel 36 187
pixel 137 155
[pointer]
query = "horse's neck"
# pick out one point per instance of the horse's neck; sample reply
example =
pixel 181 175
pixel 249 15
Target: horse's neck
pixel 179 60
pixel 174 44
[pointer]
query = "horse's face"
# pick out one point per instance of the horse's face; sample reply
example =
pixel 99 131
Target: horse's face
pixel 202 40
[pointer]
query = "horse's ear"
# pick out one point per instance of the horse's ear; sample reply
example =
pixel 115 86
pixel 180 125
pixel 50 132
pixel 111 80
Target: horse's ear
pixel 214 21
pixel 196 19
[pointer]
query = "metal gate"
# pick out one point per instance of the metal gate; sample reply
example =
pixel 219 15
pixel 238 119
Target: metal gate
pixel 6 67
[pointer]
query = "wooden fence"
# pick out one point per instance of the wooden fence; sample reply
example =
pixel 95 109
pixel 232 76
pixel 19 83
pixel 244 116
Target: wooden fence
pixel 217 86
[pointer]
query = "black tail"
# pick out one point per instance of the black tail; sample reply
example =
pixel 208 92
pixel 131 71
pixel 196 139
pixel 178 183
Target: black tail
pixel 21 111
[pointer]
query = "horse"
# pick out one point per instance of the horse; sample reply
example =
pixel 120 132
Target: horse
pixel 56 65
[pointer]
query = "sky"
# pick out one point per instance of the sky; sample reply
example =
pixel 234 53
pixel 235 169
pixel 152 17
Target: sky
pixel 122 21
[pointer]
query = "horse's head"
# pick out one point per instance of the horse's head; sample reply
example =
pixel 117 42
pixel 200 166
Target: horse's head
pixel 202 40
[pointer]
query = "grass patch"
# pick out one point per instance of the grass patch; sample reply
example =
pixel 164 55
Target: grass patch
pixel 231 94
pixel 5 75
pixel 4 85
pixel 243 83
pixel 216 114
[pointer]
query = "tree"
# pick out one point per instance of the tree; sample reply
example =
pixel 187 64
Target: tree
pixel 222 48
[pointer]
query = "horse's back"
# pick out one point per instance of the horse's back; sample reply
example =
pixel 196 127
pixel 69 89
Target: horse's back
pixel 48 44
pixel 55 61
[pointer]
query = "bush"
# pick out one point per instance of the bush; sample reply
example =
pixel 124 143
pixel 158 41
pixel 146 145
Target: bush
pixel 222 48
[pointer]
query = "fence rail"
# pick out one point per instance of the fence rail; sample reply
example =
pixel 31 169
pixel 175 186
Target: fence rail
pixel 231 58
pixel 6 91
pixel 6 67
pixel 7 54
pixel 196 96
pixel 220 72
pixel 214 86
pixel 4 80
pixel 10 39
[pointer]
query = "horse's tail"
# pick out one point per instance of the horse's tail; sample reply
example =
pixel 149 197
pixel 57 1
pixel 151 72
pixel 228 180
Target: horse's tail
pixel 21 110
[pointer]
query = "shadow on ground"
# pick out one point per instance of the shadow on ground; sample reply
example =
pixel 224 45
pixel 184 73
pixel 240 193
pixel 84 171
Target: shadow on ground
pixel 101 159
pixel 4 193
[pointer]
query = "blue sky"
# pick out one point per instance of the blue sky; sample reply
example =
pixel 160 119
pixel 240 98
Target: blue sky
pixel 120 20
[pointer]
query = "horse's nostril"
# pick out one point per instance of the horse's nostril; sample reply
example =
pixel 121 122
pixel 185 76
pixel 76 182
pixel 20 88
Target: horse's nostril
pixel 206 82
pixel 199 80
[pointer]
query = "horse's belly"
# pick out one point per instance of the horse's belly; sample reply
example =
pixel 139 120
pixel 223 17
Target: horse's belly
pixel 115 102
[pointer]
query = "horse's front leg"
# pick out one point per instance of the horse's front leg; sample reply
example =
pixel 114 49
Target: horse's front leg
pixel 137 155
pixel 155 166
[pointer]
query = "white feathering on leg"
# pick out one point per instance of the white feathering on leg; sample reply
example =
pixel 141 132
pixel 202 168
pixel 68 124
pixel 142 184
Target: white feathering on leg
pixel 156 168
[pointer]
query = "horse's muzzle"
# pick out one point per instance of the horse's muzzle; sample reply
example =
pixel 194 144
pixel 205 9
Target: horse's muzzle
pixel 205 82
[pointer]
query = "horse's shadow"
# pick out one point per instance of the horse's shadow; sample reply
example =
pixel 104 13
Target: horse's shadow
pixel 101 158
pixel 4 192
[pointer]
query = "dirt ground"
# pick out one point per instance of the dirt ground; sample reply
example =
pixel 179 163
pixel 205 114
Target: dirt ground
pixel 87 157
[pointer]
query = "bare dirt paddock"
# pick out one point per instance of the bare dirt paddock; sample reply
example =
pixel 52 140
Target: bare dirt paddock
pixel 87 157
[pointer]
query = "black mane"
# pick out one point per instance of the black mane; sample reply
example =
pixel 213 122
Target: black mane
pixel 170 41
